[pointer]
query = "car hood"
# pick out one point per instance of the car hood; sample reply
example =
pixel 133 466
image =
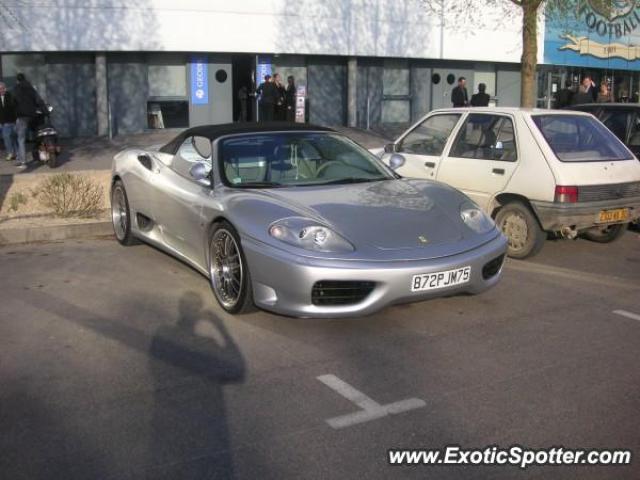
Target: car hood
pixel 393 219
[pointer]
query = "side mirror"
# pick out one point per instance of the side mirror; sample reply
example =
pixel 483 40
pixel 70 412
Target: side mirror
pixel 200 173
pixel 202 146
pixel 390 148
pixel 396 161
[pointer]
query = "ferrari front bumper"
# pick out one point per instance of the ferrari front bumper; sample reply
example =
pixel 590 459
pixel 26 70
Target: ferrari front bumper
pixel 283 283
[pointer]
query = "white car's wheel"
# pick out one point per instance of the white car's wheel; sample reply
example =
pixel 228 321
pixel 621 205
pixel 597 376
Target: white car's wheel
pixel 523 232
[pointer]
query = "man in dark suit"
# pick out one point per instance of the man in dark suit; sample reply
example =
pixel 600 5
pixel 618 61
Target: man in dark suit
pixel 480 99
pixel 584 93
pixel 459 95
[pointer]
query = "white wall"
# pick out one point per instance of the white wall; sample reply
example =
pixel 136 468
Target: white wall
pixel 384 28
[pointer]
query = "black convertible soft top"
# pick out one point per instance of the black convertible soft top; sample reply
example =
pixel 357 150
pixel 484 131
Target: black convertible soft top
pixel 216 131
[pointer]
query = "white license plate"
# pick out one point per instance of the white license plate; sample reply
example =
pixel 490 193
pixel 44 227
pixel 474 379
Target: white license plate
pixel 433 281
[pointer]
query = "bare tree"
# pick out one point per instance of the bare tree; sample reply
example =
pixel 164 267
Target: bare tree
pixel 531 12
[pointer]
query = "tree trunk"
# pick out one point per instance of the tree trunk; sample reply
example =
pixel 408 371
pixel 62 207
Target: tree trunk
pixel 529 58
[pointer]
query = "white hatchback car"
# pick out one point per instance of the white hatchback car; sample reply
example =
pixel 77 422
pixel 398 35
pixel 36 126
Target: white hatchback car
pixel 534 171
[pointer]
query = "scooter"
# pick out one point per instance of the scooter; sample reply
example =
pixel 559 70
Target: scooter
pixel 46 147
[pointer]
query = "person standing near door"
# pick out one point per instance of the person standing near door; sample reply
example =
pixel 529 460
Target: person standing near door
pixel 480 99
pixel 280 112
pixel 459 95
pixel 268 93
pixel 243 98
pixel 8 122
pixel 290 99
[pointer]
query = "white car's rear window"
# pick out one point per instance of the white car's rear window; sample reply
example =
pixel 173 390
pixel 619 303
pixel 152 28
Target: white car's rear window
pixel 578 138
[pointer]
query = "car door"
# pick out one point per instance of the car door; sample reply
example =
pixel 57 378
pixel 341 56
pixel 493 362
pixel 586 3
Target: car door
pixel 482 158
pixel 180 201
pixel 422 146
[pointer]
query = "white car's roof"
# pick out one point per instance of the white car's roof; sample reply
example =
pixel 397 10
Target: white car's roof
pixel 510 110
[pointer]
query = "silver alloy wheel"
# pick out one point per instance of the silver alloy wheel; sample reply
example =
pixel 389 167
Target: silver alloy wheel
pixel 514 226
pixel 119 214
pixel 226 269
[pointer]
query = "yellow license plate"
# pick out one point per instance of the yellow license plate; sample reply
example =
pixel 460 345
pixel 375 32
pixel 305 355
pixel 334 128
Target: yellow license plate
pixel 618 215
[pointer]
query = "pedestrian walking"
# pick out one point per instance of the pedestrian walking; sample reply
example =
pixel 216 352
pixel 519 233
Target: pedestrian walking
pixel 290 99
pixel 267 92
pixel 280 112
pixel 8 122
pixel 459 95
pixel 27 103
pixel 564 97
pixel 480 99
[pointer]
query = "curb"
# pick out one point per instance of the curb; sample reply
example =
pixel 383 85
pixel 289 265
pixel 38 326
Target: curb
pixel 12 236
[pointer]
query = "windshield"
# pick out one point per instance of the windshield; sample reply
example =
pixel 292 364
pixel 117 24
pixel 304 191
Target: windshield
pixel 578 138
pixel 296 159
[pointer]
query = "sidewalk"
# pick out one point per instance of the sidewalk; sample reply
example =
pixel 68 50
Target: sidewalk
pixel 96 153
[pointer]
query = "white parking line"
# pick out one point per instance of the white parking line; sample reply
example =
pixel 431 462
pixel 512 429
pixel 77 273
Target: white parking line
pixel 370 408
pixel 630 315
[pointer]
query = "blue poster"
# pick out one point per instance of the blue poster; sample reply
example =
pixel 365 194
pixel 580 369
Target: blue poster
pixel 599 34
pixel 263 68
pixel 199 82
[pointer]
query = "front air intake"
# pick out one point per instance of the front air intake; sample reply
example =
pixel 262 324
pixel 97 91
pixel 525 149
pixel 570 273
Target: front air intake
pixel 340 292
pixel 492 268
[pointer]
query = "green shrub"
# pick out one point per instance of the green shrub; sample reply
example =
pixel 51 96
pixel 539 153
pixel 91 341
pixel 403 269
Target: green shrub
pixel 70 195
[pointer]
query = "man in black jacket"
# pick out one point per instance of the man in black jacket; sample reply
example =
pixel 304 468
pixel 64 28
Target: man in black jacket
pixel 459 95
pixel 268 95
pixel 8 121
pixel 27 103
pixel 480 99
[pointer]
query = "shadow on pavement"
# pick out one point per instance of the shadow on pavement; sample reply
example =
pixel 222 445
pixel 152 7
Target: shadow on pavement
pixel 186 431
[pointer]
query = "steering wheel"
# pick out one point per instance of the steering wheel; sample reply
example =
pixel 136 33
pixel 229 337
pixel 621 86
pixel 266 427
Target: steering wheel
pixel 325 166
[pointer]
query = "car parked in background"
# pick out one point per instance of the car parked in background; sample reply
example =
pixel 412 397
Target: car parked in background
pixel 534 171
pixel 623 119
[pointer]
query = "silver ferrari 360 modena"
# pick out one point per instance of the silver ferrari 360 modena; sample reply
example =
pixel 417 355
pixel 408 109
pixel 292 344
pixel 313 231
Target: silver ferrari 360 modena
pixel 301 221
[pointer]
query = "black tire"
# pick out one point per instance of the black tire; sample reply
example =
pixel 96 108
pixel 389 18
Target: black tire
pixel 525 235
pixel 607 234
pixel 121 215
pixel 53 159
pixel 223 241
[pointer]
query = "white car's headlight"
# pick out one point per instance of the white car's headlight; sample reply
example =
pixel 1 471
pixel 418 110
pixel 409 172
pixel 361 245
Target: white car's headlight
pixel 476 219
pixel 305 233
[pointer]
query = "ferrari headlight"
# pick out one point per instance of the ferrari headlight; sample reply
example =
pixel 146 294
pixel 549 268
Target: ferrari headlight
pixel 476 219
pixel 308 234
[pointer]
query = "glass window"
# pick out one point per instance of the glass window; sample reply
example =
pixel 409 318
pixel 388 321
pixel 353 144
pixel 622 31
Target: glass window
pixel 167 80
pixel 186 157
pixel 634 134
pixel 577 138
pixel 486 137
pixel 297 159
pixel 430 137
pixel 167 114
pixel 617 121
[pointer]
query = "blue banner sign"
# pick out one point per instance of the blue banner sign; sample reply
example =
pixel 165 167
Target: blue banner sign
pixel 598 34
pixel 263 68
pixel 199 82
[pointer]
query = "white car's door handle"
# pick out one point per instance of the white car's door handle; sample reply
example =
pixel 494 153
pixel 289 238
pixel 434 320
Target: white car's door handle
pixel 430 164
pixel 498 171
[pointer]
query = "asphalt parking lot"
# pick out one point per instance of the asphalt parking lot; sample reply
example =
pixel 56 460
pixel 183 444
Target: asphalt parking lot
pixel 117 363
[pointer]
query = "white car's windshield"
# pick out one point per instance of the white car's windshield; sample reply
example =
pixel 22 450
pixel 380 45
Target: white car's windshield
pixel 296 159
pixel 578 138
